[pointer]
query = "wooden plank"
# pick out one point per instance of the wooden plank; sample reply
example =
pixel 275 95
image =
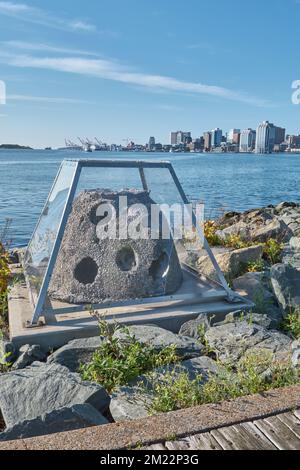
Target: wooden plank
pixel 291 421
pixel 177 445
pixel 241 438
pixel 278 433
pixel 263 443
pixel 297 413
pixel 203 441
pixel 227 438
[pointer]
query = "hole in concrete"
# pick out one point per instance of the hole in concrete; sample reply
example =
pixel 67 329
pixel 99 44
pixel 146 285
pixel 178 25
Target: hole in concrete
pixel 159 267
pixel 94 218
pixel 126 259
pixel 86 271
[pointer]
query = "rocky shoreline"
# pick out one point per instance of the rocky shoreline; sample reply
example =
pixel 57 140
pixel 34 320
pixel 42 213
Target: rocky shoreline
pixel 259 252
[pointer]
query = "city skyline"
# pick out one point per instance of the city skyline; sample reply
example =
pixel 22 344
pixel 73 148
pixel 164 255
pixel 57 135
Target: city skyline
pixel 119 70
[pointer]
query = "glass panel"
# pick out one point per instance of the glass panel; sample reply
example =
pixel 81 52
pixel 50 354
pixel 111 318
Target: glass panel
pixel 40 247
pixel 101 265
pixel 114 179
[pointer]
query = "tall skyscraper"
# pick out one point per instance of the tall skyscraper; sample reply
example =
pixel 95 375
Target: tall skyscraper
pixel 279 135
pixel 265 138
pixel 216 137
pixel 247 140
pixel 180 137
pixel 233 136
pixel 174 138
pixel 152 143
pixel 207 141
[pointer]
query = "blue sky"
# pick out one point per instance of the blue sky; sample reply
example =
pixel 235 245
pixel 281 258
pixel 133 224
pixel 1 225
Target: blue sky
pixel 118 69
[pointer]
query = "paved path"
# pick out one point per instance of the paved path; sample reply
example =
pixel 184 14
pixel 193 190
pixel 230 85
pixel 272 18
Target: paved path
pixel 280 432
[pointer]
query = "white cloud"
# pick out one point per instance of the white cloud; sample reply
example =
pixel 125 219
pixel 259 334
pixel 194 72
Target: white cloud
pixel 13 8
pixel 46 99
pixel 110 70
pixel 83 26
pixel 38 16
pixel 40 47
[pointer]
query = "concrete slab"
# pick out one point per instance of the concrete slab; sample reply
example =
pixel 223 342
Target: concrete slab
pixel 169 313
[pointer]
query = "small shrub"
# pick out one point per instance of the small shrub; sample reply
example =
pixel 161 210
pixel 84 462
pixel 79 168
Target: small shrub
pixel 273 251
pixel 255 266
pixel 236 241
pixel 5 276
pixel 210 229
pixel 291 323
pixel 116 362
pixel 207 351
pixel 255 373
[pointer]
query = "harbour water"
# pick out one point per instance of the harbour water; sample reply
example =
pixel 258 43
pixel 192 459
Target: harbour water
pixel 222 181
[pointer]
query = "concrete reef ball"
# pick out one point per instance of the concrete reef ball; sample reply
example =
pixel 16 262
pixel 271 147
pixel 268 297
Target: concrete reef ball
pixel 93 270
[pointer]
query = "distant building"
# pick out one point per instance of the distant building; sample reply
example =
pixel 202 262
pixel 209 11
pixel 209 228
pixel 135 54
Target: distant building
pixel 233 136
pixel 207 141
pixel 247 140
pixel 293 142
pixel 216 137
pixel 180 138
pixel 174 138
pixel 279 135
pixel 152 143
pixel 265 138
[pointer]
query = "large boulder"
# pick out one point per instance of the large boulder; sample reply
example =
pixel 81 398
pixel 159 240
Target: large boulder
pixel 159 338
pixel 133 402
pixel 76 352
pixel 29 354
pixel 42 388
pixel 275 228
pixel 62 420
pixel 92 267
pixel 257 288
pixel 286 285
pixel 232 340
pixel 196 328
pixel 231 262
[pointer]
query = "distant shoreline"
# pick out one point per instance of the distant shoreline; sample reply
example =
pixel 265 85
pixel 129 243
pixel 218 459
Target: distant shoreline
pixel 14 147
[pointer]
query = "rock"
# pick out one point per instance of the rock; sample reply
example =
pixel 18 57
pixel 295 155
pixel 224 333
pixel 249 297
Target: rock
pixel 230 262
pixel 284 205
pixel 191 327
pixel 296 358
pixel 207 321
pixel 295 243
pixel 133 402
pixel 129 403
pixel 8 352
pixel 257 288
pixel 240 228
pixel 286 285
pixel 62 420
pixel 274 229
pixel 159 338
pixel 94 269
pixel 76 352
pixel 42 388
pixel 27 355
pixel 232 340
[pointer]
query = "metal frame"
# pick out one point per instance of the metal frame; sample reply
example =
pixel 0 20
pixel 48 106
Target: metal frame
pixel 135 164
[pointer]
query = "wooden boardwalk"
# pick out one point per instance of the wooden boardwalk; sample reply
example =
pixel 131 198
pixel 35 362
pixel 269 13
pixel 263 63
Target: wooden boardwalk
pixel 280 432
